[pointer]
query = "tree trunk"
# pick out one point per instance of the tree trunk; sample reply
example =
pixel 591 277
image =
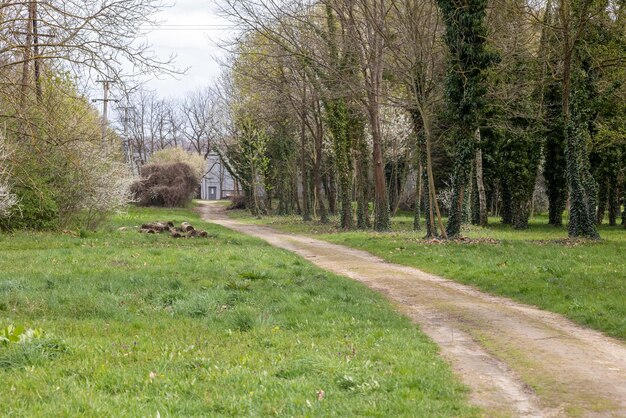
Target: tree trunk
pixel 317 175
pixel 306 210
pixel 330 187
pixel 431 178
pixel 381 211
pixel 417 216
pixel 482 198
pixel 613 201
pixel 581 222
pixel 362 221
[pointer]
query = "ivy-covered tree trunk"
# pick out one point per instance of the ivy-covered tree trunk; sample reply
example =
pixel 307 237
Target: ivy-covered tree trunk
pixel 554 146
pixel 581 220
pixel 465 36
pixel 362 183
pixel 317 172
pixel 582 214
pixel 554 173
pixel 461 176
pixel 429 212
pixel 337 114
pixel 521 154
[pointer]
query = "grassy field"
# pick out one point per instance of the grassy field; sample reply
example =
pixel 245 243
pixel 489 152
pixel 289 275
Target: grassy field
pixel 585 281
pixel 145 325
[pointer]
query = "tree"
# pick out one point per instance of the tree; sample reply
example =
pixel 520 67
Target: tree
pixel 554 150
pixel 573 19
pixel 198 108
pixel 92 38
pixel 465 36
pixel 418 56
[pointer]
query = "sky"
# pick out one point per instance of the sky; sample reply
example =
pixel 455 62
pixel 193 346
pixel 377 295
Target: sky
pixel 191 30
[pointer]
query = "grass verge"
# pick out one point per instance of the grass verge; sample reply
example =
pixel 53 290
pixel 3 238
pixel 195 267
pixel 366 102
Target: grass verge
pixel 140 325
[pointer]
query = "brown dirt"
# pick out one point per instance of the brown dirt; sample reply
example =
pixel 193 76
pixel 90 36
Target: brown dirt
pixel 517 360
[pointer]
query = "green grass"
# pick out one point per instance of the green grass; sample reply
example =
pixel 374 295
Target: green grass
pixel 585 281
pixel 140 325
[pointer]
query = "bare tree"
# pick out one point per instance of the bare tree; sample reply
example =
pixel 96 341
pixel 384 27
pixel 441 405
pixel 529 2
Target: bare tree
pixel 199 108
pixel 93 38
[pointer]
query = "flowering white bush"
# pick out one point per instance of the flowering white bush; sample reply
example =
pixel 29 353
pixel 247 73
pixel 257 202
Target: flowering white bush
pixel 397 131
pixel 7 199
pixel 101 184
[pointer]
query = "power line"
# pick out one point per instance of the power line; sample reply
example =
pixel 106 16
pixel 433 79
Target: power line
pixel 187 26
pixel 187 30
pixel 165 25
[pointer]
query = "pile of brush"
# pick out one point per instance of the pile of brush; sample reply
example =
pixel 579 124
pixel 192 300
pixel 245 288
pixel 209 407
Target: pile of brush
pixel 185 230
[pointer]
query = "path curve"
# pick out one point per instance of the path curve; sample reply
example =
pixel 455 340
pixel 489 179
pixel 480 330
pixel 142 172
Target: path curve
pixel 518 360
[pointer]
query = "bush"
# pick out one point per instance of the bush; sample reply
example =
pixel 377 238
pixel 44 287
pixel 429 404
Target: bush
pixel 54 171
pixel 237 202
pixel 169 185
pixel 179 155
pixel 101 184
pixel 65 186
pixel 7 199
pixel 37 209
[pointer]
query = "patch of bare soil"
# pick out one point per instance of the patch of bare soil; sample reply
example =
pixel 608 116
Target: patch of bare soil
pixel 517 360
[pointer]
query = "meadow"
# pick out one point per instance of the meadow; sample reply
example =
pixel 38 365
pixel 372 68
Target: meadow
pixel 129 324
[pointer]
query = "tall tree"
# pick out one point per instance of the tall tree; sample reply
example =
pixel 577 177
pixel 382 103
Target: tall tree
pixel 573 19
pixel 465 36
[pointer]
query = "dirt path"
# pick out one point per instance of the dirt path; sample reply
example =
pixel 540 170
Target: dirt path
pixel 518 360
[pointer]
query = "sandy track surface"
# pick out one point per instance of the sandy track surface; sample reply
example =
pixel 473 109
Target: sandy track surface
pixel 518 360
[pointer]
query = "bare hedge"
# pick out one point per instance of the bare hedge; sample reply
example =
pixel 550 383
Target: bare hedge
pixel 169 185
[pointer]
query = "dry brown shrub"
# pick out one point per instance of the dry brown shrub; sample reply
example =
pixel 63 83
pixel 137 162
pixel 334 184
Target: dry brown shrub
pixel 169 185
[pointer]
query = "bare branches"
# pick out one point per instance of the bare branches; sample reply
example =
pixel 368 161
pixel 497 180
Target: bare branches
pixel 92 38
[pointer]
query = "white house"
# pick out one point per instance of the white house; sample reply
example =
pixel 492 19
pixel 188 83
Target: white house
pixel 217 183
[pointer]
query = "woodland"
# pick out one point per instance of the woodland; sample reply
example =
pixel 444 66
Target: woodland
pixel 459 110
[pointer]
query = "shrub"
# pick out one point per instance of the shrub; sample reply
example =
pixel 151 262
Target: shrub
pixel 179 155
pixel 57 173
pixel 102 185
pixel 65 186
pixel 237 202
pixel 7 199
pixel 37 209
pixel 169 185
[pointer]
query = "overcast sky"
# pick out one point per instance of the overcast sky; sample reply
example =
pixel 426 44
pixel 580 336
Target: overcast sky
pixel 189 29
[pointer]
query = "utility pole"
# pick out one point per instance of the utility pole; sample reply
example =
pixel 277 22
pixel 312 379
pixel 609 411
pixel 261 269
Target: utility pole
pixel 32 35
pixel 26 58
pixel 129 148
pixel 33 15
pixel 105 108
